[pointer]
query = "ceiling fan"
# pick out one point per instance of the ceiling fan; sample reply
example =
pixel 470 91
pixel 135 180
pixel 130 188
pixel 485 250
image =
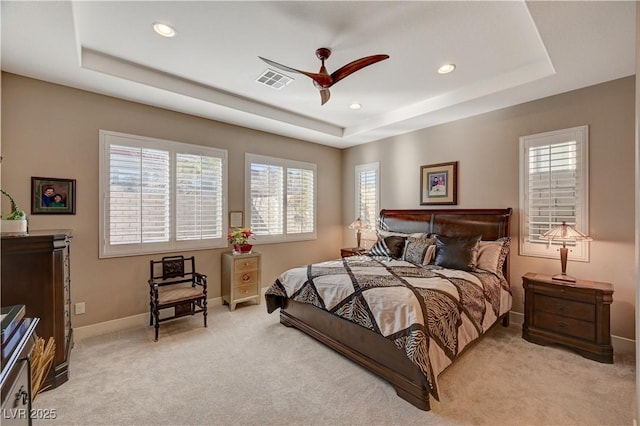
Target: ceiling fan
pixel 322 79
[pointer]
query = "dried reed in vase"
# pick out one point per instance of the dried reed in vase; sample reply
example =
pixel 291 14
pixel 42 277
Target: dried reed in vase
pixel 41 360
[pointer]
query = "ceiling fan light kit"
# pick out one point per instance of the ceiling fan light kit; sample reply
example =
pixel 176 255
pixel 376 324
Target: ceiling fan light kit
pixel 322 80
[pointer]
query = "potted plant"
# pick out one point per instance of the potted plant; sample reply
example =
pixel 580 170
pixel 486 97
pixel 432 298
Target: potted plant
pixel 16 220
pixel 239 238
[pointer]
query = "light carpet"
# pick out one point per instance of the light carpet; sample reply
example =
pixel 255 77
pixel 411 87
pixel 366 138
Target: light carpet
pixel 248 369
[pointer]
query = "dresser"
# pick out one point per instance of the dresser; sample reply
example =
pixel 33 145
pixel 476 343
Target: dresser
pixel 575 315
pixel 35 273
pixel 15 384
pixel 241 278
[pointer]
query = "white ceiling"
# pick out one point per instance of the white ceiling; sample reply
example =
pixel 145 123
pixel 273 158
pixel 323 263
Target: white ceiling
pixel 506 53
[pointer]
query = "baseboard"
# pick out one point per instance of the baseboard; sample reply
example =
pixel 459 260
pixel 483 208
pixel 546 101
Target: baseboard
pixel 134 321
pixel 620 344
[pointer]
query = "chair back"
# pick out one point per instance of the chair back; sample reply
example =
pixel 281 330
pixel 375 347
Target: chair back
pixel 173 269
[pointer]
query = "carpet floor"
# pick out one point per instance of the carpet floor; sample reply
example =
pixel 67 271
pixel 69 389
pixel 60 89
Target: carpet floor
pixel 248 369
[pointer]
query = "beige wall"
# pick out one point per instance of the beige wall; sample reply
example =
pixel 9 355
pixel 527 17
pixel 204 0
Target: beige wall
pixel 486 147
pixel 52 131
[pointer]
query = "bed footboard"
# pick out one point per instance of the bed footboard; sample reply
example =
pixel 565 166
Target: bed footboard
pixel 364 347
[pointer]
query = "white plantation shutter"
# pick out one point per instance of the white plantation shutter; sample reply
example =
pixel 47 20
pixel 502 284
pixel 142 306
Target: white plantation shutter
pixel 554 189
pixel 267 199
pixel 280 198
pixel 160 196
pixel 367 192
pixel 300 200
pixel 138 194
pixel 198 197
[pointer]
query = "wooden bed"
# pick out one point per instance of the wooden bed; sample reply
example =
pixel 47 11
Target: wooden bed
pixel 371 350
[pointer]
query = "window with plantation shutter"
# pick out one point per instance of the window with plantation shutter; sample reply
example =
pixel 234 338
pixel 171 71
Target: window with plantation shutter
pixel 554 179
pixel 367 193
pixel 280 199
pixel 160 196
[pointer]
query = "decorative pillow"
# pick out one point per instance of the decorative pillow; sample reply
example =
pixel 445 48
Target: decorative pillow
pixel 417 248
pixel 430 254
pixel 457 253
pixel 392 246
pixel 492 254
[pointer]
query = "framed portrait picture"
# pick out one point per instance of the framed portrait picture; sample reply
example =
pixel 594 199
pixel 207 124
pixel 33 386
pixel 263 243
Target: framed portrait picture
pixel 53 196
pixel 439 184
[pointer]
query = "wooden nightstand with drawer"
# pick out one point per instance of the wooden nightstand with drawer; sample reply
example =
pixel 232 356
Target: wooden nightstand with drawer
pixel 575 315
pixel 240 278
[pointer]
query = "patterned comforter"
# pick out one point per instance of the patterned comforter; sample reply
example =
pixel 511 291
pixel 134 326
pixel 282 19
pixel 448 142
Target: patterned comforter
pixel 428 312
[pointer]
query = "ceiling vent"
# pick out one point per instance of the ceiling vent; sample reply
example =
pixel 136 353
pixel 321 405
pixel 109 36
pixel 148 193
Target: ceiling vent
pixel 274 79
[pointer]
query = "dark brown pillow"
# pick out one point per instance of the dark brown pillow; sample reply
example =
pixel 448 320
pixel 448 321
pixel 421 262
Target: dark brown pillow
pixel 457 253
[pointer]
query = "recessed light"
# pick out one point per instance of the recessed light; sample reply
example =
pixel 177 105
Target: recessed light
pixel 355 105
pixel 446 69
pixel 163 29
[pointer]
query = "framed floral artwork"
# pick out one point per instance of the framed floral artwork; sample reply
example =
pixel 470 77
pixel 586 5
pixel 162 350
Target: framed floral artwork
pixel 439 184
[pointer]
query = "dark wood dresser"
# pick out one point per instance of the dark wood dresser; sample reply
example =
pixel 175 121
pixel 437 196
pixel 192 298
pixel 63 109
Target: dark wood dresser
pixel 35 273
pixel 15 381
pixel 572 314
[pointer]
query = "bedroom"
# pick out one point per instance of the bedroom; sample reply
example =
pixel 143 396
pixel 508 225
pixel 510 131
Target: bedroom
pixel 37 113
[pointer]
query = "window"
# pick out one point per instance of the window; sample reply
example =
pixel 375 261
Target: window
pixel 280 199
pixel 367 192
pixel 159 196
pixel 554 177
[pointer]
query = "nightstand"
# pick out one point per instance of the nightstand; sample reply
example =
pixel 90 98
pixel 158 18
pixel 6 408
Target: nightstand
pixel 572 314
pixel 241 278
pixel 352 251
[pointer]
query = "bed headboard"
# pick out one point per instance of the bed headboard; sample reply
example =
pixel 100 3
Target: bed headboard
pixel 490 223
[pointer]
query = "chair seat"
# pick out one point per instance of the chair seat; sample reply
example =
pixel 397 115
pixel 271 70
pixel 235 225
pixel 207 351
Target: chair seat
pixel 179 294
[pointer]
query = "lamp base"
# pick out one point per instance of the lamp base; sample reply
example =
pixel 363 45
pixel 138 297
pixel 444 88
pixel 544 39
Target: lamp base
pixel 563 277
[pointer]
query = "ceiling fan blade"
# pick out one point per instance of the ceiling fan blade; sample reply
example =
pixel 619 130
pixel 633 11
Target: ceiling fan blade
pixel 314 76
pixel 324 96
pixel 356 65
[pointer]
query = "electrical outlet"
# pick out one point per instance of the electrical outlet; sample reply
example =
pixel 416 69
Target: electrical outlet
pixel 80 308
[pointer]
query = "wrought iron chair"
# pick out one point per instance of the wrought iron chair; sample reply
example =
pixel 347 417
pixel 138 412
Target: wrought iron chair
pixel 174 283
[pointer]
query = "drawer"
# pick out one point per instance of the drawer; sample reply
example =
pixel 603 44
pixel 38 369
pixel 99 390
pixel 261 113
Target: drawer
pixel 17 398
pixel 566 326
pixel 246 277
pixel 245 291
pixel 245 264
pixel 564 307
pixel 565 292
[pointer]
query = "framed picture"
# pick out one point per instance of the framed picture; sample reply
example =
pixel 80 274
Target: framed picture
pixel 53 196
pixel 439 184
pixel 235 220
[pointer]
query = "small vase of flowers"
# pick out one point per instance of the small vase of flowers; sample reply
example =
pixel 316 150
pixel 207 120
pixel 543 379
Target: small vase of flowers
pixel 239 238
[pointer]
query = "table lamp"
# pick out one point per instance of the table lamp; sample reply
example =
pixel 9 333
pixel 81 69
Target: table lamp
pixel 359 225
pixel 564 233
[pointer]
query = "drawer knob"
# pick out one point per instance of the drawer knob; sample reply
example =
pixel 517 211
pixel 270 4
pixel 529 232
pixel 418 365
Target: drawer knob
pixel 562 309
pixel 22 394
pixel 562 324
pixel 246 277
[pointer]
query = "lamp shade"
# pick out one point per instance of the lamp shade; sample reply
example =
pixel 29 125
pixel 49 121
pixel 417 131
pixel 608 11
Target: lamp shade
pixel 359 224
pixel 565 232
